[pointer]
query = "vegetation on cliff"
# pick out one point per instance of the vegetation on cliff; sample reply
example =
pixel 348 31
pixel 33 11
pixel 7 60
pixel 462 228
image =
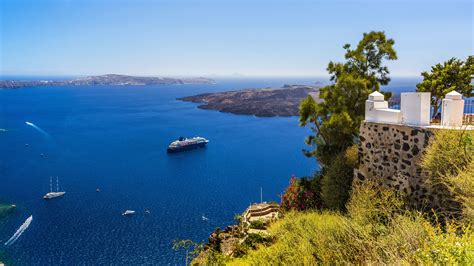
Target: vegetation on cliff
pixel 376 229
pixel 329 218
pixel 448 165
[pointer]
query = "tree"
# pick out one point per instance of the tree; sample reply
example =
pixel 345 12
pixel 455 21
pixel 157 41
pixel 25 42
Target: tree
pixel 453 74
pixel 337 119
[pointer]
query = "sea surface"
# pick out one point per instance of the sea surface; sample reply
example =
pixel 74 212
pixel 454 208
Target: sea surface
pixel 114 138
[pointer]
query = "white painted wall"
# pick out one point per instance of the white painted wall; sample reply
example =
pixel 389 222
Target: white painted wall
pixel 376 110
pixel 452 110
pixel 415 108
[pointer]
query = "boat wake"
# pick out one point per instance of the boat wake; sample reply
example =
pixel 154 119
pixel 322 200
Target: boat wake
pixel 3 130
pixel 37 128
pixel 20 231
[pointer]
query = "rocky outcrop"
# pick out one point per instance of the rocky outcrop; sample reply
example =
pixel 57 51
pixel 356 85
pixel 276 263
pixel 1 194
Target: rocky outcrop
pixel 234 239
pixel 266 102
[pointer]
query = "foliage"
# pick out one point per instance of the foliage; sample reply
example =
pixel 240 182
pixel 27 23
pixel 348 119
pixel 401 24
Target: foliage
pixel 258 224
pixel 337 119
pixel 192 249
pixel 449 152
pixel 297 197
pixel 238 218
pixel 462 186
pixel 448 165
pixel 450 245
pixel 371 203
pixel 377 230
pixel 252 241
pixel 453 74
pixel 336 183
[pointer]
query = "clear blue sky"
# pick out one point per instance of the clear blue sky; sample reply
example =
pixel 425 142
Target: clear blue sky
pixel 178 37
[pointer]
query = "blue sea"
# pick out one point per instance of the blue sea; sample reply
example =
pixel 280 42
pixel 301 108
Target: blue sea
pixel 114 138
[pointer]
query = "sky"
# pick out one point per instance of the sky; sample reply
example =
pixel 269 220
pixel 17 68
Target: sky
pixel 224 38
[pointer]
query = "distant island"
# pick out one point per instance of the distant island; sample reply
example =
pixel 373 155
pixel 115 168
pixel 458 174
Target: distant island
pixel 265 102
pixel 109 79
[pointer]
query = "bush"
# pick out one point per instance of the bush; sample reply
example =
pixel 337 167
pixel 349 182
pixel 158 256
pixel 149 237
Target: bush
pixel 258 224
pixel 381 233
pixel 462 186
pixel 450 245
pixel 372 203
pixel 336 183
pixel 448 168
pixel 298 197
pixel 449 153
pixel 253 240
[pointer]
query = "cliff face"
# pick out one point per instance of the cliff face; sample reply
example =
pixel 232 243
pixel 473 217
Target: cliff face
pixel 266 102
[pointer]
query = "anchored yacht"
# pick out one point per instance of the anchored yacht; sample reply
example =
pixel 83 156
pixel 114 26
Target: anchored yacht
pixel 51 194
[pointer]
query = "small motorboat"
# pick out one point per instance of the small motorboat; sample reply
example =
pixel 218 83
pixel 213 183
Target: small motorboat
pixel 97 190
pixel 128 213
pixel 147 212
pixel 204 218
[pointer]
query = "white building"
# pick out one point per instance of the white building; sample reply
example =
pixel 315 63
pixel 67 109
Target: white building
pixel 414 109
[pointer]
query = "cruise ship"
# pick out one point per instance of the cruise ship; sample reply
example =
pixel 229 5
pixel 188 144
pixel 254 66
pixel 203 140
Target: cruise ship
pixel 184 144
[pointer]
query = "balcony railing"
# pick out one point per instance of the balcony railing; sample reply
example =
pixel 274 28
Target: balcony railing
pixel 468 116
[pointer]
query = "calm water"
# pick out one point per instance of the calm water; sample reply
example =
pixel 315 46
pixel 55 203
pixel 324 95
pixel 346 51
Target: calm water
pixel 115 139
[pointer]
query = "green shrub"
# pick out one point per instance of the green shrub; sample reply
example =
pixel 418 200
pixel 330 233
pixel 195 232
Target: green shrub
pixel 449 153
pixel 372 203
pixel 252 241
pixel 450 245
pixel 336 183
pixel 379 233
pixel 258 224
pixel 448 168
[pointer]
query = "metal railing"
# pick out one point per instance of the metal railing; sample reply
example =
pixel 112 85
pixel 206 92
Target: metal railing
pixel 394 103
pixel 468 116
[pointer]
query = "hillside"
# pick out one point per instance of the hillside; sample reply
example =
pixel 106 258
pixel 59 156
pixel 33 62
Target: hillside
pixel 265 102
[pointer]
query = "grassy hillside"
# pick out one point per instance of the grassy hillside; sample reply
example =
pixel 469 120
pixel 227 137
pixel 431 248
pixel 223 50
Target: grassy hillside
pixel 382 233
pixel 376 225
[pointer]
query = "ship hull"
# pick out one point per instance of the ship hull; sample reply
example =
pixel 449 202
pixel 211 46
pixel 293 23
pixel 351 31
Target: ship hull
pixel 187 147
pixel 52 195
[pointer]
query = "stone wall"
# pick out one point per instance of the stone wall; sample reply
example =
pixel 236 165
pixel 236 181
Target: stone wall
pixel 392 152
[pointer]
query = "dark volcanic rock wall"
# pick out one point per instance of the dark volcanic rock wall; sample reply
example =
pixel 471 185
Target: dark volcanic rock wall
pixel 392 153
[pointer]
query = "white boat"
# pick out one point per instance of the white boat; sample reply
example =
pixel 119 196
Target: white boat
pixel 51 194
pixel 128 212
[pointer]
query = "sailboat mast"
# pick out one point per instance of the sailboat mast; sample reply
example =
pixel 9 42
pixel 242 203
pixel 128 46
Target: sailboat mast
pixel 50 184
pixel 57 184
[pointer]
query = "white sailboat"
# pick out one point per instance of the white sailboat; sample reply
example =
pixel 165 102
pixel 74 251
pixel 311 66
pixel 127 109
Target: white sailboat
pixel 51 194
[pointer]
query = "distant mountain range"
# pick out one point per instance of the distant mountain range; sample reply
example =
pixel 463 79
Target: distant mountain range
pixel 109 79
pixel 265 102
